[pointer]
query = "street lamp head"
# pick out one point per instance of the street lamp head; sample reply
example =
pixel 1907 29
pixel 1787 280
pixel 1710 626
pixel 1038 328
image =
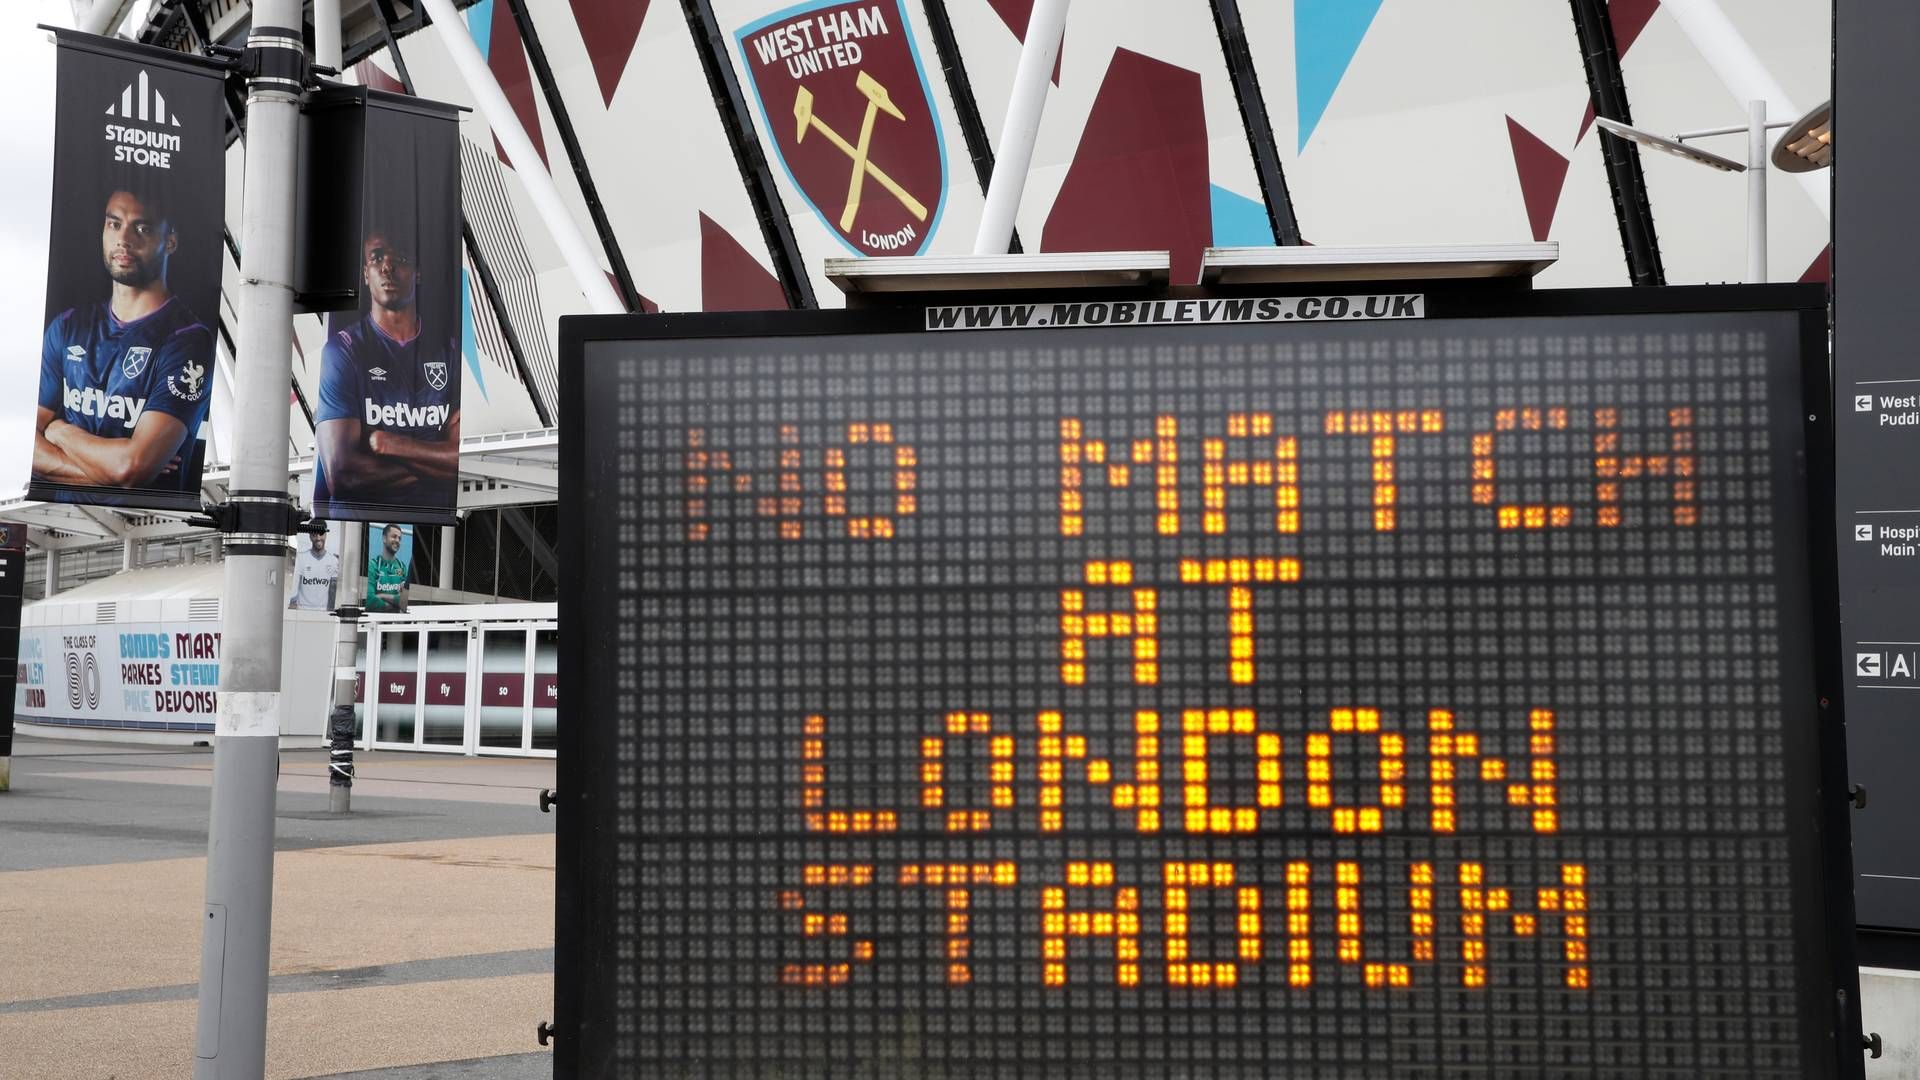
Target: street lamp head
pixel 1669 146
pixel 1808 142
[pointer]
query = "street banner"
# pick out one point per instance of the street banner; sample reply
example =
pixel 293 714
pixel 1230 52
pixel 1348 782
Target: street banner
pixel 389 562
pixel 133 277
pixel 316 573
pixel 313 577
pixel 387 425
pixel 841 90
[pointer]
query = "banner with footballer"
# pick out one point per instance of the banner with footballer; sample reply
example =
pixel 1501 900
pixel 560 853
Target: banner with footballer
pixel 387 422
pixel 133 277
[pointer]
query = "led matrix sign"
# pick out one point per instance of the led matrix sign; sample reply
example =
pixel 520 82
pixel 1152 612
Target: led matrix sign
pixel 1413 699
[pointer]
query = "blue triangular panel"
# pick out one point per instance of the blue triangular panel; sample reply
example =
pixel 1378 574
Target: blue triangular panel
pixel 480 25
pixel 1239 221
pixel 1326 34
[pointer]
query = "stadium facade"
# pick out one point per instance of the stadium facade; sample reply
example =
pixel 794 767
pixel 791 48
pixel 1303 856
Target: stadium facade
pixel 693 150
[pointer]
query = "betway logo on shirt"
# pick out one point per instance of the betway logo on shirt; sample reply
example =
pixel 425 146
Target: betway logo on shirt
pixel 408 416
pixel 95 402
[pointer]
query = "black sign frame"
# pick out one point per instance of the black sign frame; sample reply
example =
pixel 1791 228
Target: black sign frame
pixel 1874 319
pixel 585 1015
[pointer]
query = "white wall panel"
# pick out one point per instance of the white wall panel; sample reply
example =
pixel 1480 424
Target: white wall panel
pixel 1413 145
pixel 657 150
pixel 1180 33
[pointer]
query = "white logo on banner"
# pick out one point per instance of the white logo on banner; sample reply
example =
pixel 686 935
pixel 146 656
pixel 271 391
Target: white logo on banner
pixel 142 102
pixel 404 415
pixel 95 402
pixel 437 374
pixel 135 361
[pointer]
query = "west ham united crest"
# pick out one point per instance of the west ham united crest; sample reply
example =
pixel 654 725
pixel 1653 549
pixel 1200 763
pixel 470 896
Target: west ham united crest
pixel 842 91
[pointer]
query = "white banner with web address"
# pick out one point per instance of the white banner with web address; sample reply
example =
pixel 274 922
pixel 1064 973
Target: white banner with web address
pixel 1265 309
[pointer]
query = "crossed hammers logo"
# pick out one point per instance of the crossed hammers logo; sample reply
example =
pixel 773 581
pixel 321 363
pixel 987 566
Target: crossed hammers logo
pixel 878 101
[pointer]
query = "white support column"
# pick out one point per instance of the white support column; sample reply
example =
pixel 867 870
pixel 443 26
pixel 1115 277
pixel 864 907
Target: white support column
pixel 1756 191
pixel 100 16
pixel 326 33
pixel 53 570
pixel 446 557
pixel 581 256
pixel 1013 156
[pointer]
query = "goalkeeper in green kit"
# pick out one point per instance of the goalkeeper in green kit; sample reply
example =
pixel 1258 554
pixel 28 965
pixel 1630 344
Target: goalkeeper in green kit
pixel 387 574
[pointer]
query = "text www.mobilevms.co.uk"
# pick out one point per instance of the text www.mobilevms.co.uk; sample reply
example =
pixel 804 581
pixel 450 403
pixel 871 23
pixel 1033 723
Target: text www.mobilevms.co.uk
pixel 1177 312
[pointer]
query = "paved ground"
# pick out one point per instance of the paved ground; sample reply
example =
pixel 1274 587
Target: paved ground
pixel 413 939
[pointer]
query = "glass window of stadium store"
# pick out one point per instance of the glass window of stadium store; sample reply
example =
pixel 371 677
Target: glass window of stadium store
pixel 461 679
pixel 469 677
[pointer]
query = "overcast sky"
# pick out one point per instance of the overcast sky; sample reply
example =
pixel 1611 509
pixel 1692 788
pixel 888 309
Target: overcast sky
pixel 26 177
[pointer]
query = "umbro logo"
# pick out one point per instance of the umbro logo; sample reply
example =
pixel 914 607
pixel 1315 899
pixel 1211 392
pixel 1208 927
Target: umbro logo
pixel 76 352
pixel 378 374
pixel 138 101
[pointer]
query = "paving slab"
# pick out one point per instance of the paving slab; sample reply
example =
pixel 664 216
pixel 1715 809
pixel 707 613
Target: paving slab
pixel 87 803
pixel 412 938
pixel 509 1067
pixel 318 1033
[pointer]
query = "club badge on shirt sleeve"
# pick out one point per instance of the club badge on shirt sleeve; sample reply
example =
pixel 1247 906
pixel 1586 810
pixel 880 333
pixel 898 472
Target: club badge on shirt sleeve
pixel 189 382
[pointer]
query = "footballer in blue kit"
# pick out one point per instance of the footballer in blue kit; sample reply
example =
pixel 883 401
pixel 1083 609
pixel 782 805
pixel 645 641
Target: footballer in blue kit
pixel 387 428
pixel 125 381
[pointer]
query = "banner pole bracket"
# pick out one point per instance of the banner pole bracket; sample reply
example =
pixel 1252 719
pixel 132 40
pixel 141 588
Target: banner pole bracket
pixel 262 513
